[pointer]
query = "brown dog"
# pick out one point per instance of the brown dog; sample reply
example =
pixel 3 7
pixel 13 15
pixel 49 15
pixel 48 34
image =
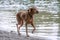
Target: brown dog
pixel 27 17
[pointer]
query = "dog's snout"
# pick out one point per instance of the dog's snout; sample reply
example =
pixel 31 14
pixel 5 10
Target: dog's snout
pixel 37 11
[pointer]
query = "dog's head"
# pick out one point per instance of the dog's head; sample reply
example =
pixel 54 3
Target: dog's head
pixel 33 10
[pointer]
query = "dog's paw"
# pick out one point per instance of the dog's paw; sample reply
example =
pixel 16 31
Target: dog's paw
pixel 32 31
pixel 19 34
pixel 27 35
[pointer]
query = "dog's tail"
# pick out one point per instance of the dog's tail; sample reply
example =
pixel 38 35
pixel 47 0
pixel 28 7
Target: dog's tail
pixel 18 17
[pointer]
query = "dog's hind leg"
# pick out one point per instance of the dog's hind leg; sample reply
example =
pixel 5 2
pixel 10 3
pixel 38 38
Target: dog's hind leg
pixel 18 27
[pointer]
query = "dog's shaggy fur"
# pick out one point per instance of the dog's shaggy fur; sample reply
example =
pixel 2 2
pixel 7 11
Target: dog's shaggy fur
pixel 27 17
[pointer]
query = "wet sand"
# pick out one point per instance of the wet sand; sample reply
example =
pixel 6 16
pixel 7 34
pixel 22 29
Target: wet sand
pixel 13 36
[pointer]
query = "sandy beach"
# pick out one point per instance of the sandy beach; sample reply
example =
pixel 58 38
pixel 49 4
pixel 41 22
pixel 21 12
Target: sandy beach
pixel 13 36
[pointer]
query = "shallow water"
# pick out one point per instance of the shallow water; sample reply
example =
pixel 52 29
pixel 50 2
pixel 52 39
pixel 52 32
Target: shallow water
pixel 47 24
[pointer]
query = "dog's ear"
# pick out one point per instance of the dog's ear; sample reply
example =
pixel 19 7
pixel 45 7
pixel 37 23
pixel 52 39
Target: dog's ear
pixel 29 10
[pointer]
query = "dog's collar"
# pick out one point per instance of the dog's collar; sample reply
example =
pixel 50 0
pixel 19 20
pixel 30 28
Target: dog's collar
pixel 30 15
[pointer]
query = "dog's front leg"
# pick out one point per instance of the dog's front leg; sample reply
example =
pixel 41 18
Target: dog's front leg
pixel 26 30
pixel 33 27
